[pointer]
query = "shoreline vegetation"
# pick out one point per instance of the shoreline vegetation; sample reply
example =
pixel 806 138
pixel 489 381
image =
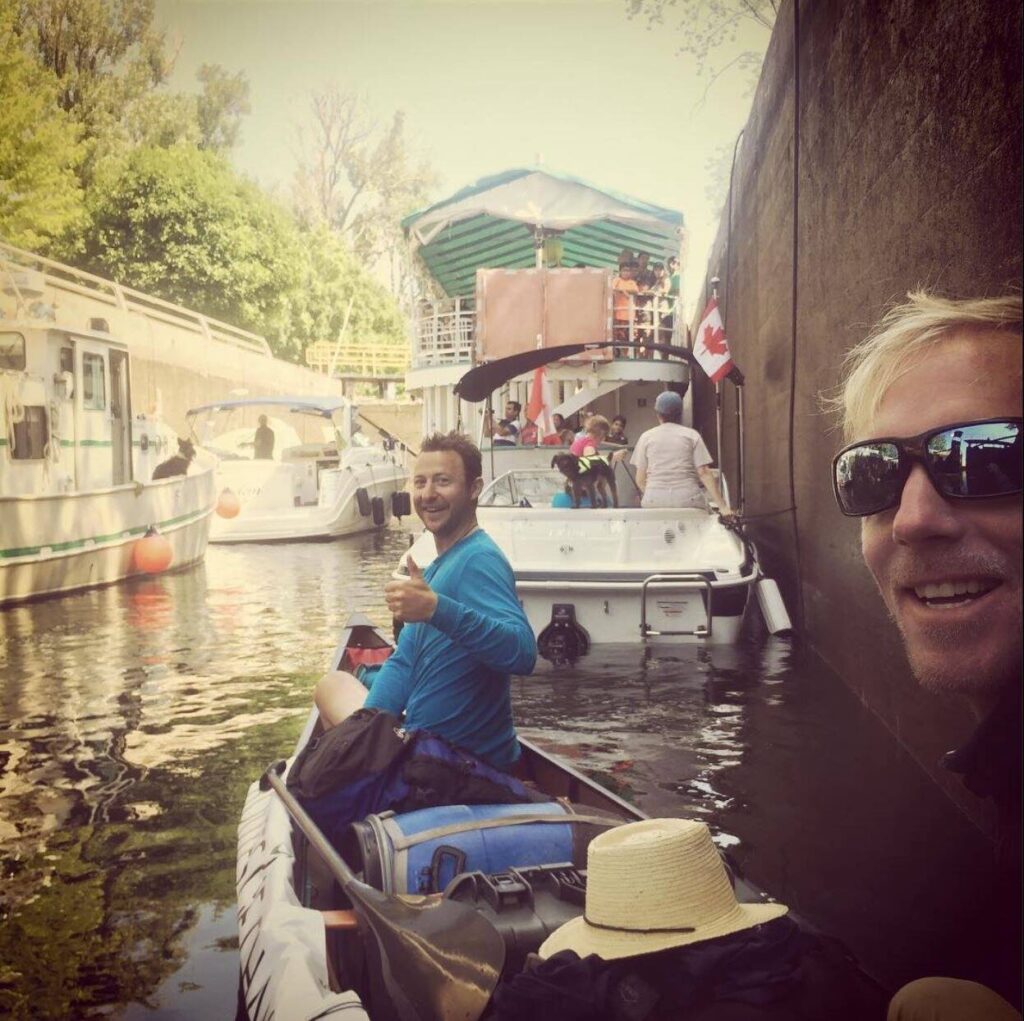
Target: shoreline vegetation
pixel 116 174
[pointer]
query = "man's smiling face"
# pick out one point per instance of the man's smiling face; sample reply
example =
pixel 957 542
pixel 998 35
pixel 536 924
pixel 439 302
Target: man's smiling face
pixel 442 497
pixel 950 570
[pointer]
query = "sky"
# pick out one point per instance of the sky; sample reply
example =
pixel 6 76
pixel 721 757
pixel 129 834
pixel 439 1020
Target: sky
pixel 485 85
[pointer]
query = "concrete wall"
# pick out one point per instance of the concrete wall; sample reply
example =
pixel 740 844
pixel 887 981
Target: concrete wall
pixel 909 173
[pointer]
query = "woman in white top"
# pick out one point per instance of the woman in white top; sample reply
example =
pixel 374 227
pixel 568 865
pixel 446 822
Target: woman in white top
pixel 672 462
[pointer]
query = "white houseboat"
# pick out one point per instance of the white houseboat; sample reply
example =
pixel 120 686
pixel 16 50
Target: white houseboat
pixel 76 461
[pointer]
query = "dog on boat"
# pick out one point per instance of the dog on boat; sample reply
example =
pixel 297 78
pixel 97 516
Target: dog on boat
pixel 177 465
pixel 589 474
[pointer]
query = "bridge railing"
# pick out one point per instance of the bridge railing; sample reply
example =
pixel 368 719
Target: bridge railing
pixel 367 358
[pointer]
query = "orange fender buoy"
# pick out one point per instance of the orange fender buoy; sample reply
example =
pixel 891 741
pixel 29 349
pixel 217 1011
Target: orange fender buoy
pixel 228 505
pixel 153 553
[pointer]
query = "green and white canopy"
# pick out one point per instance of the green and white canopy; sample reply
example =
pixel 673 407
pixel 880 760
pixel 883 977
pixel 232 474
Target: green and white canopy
pixel 497 222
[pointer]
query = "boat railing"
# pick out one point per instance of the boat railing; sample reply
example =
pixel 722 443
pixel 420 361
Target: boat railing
pixel 444 332
pixel 107 294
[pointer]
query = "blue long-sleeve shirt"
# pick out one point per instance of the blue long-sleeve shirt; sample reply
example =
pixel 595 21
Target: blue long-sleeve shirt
pixel 451 674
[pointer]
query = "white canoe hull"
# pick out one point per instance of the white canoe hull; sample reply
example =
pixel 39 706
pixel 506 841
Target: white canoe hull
pixel 281 944
pixel 63 542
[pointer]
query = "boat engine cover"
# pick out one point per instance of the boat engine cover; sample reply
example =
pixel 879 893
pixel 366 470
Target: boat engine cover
pixel 564 640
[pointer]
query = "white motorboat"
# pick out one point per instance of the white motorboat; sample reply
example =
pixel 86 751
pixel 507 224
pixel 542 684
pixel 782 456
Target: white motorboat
pixel 607 575
pixel 76 489
pixel 597 576
pixel 321 478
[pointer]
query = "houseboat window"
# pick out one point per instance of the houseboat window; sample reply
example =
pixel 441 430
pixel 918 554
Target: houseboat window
pixel 94 388
pixel 31 435
pixel 12 351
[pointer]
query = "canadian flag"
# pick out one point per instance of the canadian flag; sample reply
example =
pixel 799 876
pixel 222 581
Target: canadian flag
pixel 710 348
pixel 539 408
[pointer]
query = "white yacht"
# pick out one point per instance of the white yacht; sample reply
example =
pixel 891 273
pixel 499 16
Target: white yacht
pixel 76 462
pixel 316 476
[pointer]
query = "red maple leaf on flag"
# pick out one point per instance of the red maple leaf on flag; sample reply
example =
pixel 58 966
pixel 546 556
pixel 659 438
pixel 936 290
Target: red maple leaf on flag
pixel 714 340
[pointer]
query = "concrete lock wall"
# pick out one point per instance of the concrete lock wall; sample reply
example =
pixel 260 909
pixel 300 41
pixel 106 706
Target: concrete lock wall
pixel 909 174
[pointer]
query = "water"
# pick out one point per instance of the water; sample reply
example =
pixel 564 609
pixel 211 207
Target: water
pixel 133 719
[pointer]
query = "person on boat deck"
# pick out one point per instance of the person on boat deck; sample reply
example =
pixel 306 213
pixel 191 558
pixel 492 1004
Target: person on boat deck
pixel 528 434
pixel 672 462
pixel 263 441
pixel 624 292
pixel 590 440
pixel 945 551
pixel 464 631
pixel 617 433
pixel 557 438
pixel 506 432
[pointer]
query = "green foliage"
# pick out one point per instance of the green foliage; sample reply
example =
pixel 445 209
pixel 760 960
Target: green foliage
pixel 40 198
pixel 332 277
pixel 178 223
pixel 103 54
pixel 101 166
pixel 220 108
pixel 357 181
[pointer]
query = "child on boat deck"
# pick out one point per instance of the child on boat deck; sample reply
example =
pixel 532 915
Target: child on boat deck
pixel 624 291
pixel 596 432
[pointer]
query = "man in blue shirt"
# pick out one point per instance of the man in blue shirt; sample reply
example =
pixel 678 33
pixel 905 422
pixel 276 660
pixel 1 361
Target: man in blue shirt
pixel 465 632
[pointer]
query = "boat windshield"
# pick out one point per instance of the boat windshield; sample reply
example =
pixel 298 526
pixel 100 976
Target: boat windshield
pixel 533 487
pixel 230 433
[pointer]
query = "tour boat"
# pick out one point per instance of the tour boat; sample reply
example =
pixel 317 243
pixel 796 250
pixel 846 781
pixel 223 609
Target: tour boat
pixel 527 260
pixel 76 492
pixel 323 932
pixel 322 478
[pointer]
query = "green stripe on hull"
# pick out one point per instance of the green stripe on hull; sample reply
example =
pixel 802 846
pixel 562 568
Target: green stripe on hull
pixel 100 540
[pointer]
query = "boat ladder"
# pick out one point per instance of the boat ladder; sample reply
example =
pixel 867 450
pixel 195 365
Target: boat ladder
pixel 680 581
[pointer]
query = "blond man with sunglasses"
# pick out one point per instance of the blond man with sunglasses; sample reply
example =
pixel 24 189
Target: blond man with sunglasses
pixel 931 408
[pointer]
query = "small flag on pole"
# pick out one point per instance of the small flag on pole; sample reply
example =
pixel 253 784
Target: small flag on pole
pixel 539 408
pixel 710 347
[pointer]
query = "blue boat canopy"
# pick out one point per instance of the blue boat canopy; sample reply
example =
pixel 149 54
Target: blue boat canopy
pixel 322 406
pixel 498 221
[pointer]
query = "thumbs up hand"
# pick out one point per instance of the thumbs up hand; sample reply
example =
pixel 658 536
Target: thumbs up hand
pixel 412 600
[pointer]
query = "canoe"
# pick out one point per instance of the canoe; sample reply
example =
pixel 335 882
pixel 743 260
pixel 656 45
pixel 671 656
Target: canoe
pixel 316 941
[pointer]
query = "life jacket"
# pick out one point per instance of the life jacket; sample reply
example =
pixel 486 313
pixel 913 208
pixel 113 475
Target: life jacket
pixel 587 461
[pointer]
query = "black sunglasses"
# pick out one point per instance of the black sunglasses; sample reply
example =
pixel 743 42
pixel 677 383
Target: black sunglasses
pixel 966 461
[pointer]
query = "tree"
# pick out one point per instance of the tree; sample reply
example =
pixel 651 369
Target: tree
pixel 709 25
pixel 178 223
pixel 103 54
pixel 40 198
pixel 220 107
pixel 331 279
pixel 354 180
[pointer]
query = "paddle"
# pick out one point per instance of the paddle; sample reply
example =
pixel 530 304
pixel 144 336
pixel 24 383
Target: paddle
pixel 431 959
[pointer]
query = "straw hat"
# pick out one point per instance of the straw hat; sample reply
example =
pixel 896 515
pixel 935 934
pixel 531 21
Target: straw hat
pixel 652 885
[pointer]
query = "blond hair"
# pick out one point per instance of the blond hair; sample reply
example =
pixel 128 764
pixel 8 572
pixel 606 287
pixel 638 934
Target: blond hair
pixel 598 423
pixel 901 337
